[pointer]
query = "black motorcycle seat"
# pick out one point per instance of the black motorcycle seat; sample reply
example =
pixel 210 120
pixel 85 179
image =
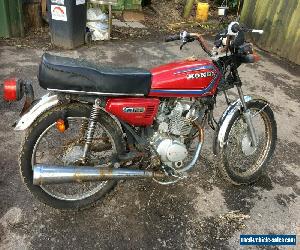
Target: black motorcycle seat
pixel 73 75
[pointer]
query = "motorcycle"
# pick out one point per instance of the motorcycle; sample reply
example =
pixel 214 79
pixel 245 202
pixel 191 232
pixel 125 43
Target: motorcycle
pixel 97 125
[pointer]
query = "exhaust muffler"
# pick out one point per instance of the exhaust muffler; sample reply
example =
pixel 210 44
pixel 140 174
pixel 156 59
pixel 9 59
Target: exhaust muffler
pixel 44 174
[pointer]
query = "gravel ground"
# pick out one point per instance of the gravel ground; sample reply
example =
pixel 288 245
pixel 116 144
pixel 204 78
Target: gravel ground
pixel 202 212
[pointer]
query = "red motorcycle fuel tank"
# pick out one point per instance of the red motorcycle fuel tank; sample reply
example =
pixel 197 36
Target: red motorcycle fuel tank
pixel 185 78
pixel 135 111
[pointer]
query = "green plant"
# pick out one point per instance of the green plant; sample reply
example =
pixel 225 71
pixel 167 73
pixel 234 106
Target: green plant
pixel 231 3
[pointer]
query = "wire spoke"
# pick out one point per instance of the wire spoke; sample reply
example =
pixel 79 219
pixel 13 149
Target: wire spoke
pixel 235 154
pixel 61 149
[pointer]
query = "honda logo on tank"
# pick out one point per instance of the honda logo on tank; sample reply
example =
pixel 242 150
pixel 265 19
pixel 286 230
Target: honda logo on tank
pixel 59 13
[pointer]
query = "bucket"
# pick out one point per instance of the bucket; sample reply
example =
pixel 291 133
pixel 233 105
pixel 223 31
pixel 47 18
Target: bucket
pixel 202 12
pixel 222 11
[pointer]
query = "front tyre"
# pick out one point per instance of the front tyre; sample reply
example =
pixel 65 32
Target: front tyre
pixel 243 163
pixel 45 144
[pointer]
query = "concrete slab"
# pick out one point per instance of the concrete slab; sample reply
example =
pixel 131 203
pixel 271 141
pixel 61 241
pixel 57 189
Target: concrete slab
pixel 133 16
pixel 136 25
pixel 118 23
pixel 133 24
pixel 200 212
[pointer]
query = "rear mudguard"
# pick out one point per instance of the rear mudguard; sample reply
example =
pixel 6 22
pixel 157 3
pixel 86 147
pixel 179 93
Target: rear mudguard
pixel 226 118
pixel 37 108
pixel 44 104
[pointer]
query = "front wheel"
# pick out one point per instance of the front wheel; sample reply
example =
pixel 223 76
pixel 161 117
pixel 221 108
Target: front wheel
pixel 45 144
pixel 243 163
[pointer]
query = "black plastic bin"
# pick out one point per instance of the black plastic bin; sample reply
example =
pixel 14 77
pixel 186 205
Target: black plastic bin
pixel 67 21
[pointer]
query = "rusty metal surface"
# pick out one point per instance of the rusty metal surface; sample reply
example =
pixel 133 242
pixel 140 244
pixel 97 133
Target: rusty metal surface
pixel 45 174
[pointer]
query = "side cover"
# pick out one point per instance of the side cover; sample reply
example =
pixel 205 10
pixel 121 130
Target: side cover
pixel 135 111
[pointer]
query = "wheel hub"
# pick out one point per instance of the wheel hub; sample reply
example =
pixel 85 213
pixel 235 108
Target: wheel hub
pixel 247 147
pixel 72 154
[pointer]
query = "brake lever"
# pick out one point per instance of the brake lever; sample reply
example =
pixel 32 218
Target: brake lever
pixel 183 43
pixel 186 40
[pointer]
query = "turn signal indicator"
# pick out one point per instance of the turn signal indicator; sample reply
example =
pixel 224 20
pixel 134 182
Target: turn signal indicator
pixel 61 125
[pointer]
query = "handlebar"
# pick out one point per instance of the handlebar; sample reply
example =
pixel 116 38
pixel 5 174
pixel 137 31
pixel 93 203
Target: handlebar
pixel 172 38
pixel 258 31
pixel 186 37
pixel 233 29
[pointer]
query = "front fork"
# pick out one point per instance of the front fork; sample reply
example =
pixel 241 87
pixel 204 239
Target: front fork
pixel 248 118
pixel 246 112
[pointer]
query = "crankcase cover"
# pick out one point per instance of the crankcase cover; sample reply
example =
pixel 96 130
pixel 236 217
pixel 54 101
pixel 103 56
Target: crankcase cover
pixel 176 152
pixel 171 151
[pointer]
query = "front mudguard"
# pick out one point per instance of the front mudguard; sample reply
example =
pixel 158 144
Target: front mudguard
pixel 226 118
pixel 37 108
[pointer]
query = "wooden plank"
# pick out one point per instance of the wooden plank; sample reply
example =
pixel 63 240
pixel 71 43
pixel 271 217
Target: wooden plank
pixel 280 21
pixel 32 15
pixel 109 21
pixel 44 7
pixel 188 8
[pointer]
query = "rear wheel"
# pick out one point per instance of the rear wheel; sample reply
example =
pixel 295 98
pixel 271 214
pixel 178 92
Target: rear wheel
pixel 44 144
pixel 243 163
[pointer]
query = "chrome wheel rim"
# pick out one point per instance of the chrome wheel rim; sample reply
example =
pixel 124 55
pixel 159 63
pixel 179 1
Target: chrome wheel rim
pixel 243 159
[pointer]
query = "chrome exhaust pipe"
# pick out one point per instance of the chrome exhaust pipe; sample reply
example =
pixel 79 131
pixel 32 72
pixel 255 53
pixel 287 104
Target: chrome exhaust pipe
pixel 197 153
pixel 43 174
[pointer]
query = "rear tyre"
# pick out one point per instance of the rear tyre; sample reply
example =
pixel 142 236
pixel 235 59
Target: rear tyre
pixel 242 163
pixel 44 144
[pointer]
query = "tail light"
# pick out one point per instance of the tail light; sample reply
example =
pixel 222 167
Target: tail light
pixel 13 89
pixel 256 57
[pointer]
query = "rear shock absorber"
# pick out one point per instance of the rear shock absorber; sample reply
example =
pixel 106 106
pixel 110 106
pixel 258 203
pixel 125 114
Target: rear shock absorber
pixel 91 129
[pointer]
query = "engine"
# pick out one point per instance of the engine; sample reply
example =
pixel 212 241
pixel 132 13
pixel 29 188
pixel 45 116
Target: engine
pixel 174 124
